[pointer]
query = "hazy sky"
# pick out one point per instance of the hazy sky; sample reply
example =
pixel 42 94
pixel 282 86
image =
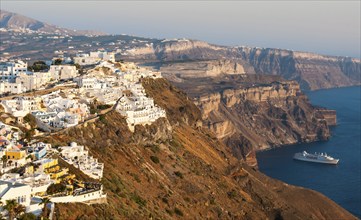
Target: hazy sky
pixel 327 27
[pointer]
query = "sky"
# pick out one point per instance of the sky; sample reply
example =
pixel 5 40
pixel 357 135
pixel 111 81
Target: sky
pixel 325 27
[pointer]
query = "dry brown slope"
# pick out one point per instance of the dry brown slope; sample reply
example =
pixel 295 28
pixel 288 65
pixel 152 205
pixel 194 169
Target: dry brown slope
pixel 195 178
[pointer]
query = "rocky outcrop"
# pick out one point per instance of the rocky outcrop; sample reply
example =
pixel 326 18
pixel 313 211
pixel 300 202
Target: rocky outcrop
pixel 159 131
pixel 176 50
pixel 209 68
pixel 312 71
pixel 328 115
pixel 259 115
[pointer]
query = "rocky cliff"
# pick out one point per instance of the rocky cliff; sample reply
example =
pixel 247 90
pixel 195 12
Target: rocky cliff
pixel 252 112
pixel 312 71
pixel 184 173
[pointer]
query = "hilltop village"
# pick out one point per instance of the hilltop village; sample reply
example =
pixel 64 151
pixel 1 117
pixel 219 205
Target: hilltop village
pixel 48 97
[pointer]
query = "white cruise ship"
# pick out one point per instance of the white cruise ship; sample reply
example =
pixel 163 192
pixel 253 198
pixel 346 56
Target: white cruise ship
pixel 316 157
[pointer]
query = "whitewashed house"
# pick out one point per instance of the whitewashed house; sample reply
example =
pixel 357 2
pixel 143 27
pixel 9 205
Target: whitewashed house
pixel 85 59
pixel 79 157
pixel 34 80
pixel 20 106
pixel 11 88
pixel 63 72
pixel 10 70
pixel 21 193
pixel 139 109
pixel 93 58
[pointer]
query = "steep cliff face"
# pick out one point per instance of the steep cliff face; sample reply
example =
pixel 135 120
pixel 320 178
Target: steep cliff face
pixel 265 113
pixel 177 50
pixel 312 71
pixel 199 69
pixel 193 176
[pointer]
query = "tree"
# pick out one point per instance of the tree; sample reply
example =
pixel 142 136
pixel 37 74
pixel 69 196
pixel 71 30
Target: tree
pixel 19 209
pixel 10 207
pixel 58 61
pixel 77 66
pixel 38 66
pixel 45 201
pixel 27 216
pixel 4 159
pixel 55 188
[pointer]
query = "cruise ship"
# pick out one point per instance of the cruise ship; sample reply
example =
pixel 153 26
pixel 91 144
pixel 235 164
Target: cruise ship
pixel 316 157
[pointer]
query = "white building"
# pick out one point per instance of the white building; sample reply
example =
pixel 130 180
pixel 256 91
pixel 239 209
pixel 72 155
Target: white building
pixel 38 182
pixel 84 196
pixel 104 90
pixel 63 72
pixel 79 157
pixel 34 80
pixel 11 88
pixel 94 58
pixel 20 106
pixel 10 70
pixel 13 190
pixel 58 112
pixel 139 109
pixel 91 83
pixel 103 55
pixel 85 59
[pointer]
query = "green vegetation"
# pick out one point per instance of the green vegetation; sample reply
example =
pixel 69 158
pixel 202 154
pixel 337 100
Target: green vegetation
pixel 4 159
pixel 154 159
pixel 29 118
pixel 55 188
pixel 178 211
pixel 139 200
pixel 45 201
pixel 27 216
pixel 29 134
pixel 57 61
pixel 232 194
pixel 179 174
pixel 14 209
pixel 102 107
pixel 103 119
pixel 38 66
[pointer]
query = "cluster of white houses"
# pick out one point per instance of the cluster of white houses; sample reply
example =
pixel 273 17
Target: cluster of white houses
pixel 15 77
pixel 52 111
pixel 78 156
pixel 108 82
pixel 29 172
pixel 138 108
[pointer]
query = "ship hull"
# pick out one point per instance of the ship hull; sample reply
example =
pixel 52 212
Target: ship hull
pixel 334 162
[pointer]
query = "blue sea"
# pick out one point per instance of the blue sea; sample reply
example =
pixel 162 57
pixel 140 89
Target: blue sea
pixel 341 182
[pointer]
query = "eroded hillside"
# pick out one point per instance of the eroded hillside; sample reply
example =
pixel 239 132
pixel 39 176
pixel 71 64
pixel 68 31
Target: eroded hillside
pixel 177 169
pixel 251 112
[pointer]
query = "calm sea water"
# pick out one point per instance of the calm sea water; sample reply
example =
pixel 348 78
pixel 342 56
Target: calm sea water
pixel 339 182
